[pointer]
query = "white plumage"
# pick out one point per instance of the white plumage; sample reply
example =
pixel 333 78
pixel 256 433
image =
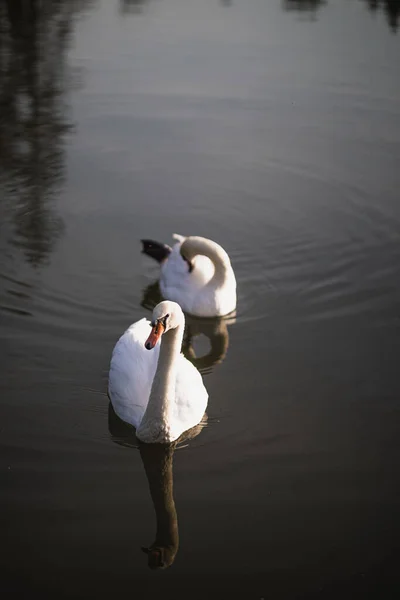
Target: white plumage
pixel 197 274
pixel 182 401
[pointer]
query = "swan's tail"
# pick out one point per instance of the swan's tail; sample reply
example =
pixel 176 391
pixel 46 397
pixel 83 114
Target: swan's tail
pixel 179 238
pixel 156 250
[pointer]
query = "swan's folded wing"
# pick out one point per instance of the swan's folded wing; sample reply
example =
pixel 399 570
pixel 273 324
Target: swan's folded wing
pixel 131 373
pixel 191 395
pixel 175 267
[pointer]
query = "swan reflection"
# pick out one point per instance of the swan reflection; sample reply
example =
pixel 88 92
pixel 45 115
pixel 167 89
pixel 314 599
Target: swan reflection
pixel 214 329
pixel 158 464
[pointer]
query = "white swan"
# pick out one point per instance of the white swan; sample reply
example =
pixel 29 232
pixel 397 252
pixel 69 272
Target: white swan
pixel 196 273
pixel 159 392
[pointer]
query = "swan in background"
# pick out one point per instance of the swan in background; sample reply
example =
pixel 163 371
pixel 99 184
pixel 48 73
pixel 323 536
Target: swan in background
pixel 151 384
pixel 196 273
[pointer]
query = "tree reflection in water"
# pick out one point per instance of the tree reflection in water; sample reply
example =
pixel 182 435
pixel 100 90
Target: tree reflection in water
pixel 390 7
pixel 34 78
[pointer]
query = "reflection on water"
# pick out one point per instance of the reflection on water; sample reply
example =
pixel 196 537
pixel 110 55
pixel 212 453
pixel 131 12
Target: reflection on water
pixel 251 130
pixel 215 330
pixel 157 460
pixel 131 6
pixel 158 464
pixel 390 7
pixel 307 6
pixel 303 5
pixel 33 125
pixel 151 296
pixel 136 6
pixel 34 38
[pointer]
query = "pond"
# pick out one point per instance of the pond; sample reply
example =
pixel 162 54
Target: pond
pixel 272 128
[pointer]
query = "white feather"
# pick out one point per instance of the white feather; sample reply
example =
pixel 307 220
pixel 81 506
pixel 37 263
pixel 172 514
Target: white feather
pixel 131 375
pixel 194 291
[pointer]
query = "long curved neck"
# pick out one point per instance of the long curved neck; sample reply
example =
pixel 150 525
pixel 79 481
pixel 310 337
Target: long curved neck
pixel 157 462
pixel 157 419
pixel 218 257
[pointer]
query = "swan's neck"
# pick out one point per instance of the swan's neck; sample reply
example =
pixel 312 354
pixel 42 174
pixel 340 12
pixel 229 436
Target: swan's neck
pixel 157 461
pixel 156 425
pixel 220 260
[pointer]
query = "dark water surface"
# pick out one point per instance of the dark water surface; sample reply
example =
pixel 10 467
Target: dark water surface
pixel 274 128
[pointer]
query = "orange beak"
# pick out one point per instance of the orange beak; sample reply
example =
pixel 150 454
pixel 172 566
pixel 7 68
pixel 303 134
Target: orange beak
pixel 155 334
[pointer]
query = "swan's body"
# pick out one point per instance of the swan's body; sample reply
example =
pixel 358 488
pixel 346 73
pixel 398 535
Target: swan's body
pixel 197 274
pixel 157 390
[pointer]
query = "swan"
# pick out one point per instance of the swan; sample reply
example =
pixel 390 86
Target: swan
pixel 197 273
pixel 159 392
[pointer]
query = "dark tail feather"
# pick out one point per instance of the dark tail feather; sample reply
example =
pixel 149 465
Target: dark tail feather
pixel 156 250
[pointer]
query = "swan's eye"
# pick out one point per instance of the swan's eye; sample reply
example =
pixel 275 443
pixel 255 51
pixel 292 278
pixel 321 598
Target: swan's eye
pixel 164 321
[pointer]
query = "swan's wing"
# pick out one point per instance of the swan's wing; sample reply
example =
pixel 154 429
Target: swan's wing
pixel 132 371
pixel 191 395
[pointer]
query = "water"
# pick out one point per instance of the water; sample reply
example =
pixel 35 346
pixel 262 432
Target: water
pixel 273 128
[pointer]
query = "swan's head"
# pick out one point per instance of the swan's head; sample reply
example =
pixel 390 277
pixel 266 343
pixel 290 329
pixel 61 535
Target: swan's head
pixel 166 315
pixel 189 250
pixel 194 245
